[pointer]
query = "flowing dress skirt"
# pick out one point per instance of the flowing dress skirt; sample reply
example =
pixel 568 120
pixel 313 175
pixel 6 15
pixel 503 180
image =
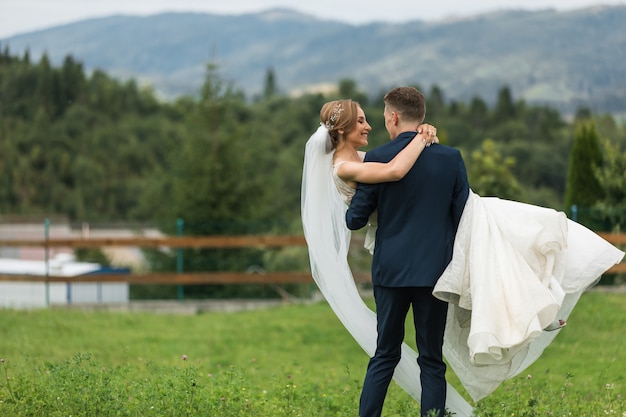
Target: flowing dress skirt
pixel 516 268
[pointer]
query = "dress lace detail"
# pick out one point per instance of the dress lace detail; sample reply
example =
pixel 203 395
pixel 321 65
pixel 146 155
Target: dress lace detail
pixel 347 193
pixel 344 189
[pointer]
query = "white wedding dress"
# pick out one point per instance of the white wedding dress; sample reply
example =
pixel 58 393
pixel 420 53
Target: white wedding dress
pixel 515 268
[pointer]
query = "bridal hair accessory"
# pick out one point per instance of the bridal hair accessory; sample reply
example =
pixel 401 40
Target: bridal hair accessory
pixel 332 120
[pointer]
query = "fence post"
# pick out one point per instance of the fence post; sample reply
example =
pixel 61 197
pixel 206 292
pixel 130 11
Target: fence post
pixel 179 258
pixel 46 234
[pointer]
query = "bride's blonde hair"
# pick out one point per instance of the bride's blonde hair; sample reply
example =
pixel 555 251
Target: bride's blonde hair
pixel 339 115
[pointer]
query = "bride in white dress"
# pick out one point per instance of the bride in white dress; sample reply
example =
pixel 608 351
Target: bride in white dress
pixel 527 265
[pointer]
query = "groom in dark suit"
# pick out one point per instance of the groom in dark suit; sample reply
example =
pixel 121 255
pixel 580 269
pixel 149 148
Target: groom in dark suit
pixel 417 221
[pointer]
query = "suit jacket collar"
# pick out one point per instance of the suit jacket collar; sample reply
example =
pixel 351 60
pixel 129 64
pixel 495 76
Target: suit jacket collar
pixel 406 135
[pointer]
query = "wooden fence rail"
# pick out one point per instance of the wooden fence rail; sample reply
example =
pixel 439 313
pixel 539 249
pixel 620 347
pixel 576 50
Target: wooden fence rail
pixel 214 242
pixel 185 278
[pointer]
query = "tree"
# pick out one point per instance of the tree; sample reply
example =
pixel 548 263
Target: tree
pixel 215 180
pixel 478 114
pixel 583 188
pixel 490 173
pixel 505 108
pixel 435 104
pixel 582 114
pixel 612 178
pixel 270 88
pixel 349 89
pixel 45 88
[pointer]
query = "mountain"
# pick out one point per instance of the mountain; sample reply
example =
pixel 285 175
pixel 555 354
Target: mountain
pixel 564 59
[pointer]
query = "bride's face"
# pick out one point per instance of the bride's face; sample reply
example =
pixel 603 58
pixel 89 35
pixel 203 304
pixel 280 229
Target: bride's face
pixel 357 136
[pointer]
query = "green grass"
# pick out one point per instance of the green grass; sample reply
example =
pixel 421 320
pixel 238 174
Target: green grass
pixel 290 361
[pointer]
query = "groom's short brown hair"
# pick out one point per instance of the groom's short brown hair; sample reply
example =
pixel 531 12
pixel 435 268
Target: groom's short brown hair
pixel 408 102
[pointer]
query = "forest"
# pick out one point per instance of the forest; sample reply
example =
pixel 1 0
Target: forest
pixel 93 148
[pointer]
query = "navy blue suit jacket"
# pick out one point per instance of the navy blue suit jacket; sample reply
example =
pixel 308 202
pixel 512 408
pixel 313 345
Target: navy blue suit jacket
pixel 417 216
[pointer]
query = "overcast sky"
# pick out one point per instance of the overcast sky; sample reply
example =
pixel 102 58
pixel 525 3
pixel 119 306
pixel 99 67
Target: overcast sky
pixel 19 16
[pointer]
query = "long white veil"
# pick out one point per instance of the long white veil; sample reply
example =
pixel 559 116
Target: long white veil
pixel 328 240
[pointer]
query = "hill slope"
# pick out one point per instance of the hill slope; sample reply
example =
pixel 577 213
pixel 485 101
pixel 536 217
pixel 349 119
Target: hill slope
pixel 565 59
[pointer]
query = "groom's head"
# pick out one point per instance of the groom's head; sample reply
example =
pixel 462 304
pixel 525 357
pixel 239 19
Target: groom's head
pixel 405 109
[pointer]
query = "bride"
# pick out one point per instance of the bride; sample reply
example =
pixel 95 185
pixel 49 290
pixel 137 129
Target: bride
pixel 554 267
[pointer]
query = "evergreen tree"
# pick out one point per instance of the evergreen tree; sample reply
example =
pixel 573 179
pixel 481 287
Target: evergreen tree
pixel 505 108
pixel 478 113
pixel 44 90
pixel 270 88
pixel 583 188
pixel 582 114
pixel 435 104
pixel 348 89
pixel 612 177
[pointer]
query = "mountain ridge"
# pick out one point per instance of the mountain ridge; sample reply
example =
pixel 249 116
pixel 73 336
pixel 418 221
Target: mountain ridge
pixel 563 59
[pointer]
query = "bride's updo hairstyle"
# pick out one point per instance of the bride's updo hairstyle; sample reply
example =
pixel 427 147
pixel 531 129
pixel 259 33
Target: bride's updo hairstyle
pixel 339 115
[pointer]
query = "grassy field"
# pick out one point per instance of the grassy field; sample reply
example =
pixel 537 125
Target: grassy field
pixel 295 360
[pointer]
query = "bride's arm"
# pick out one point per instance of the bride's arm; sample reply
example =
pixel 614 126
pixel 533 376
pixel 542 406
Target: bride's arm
pixel 394 170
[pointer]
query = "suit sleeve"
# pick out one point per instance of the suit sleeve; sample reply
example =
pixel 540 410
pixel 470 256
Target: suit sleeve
pixel 461 191
pixel 363 204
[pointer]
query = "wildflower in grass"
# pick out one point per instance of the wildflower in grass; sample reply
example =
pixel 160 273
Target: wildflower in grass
pixel 529 376
pixel 184 357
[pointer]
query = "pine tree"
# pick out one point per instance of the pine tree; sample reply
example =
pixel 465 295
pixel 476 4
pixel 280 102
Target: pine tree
pixel 612 176
pixel 435 103
pixel 270 89
pixel 505 108
pixel 583 188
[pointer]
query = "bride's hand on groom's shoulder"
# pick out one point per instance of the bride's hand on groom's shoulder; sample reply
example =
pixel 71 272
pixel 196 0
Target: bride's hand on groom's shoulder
pixel 428 133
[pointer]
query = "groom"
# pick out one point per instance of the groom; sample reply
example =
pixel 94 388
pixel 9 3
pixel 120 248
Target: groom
pixel 417 221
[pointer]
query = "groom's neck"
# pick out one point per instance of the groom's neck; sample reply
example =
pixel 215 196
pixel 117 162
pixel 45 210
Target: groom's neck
pixel 406 127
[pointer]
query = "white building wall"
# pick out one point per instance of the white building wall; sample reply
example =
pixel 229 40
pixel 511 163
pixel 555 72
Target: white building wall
pixel 40 294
